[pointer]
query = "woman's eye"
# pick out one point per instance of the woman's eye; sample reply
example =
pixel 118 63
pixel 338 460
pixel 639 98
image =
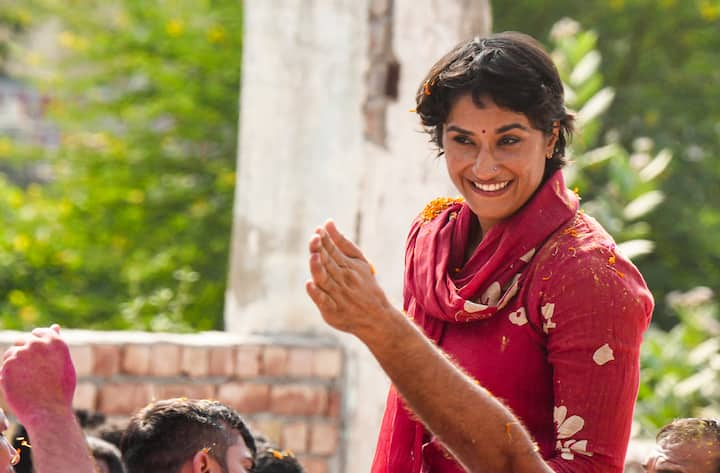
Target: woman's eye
pixel 509 140
pixel 462 139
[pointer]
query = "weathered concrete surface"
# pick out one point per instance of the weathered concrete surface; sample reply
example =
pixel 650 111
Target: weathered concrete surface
pixel 300 152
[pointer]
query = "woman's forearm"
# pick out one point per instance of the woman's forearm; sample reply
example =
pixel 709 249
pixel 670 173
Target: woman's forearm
pixel 478 429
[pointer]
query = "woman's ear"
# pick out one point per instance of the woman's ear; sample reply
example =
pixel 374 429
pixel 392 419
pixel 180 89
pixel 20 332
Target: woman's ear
pixel 202 462
pixel 552 140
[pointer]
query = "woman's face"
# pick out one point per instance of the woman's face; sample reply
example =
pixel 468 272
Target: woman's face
pixel 494 156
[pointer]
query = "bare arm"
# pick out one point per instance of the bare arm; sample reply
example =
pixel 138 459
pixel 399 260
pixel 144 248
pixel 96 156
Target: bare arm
pixel 480 432
pixel 38 381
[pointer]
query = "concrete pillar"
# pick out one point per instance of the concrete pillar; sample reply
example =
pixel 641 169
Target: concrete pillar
pixel 318 140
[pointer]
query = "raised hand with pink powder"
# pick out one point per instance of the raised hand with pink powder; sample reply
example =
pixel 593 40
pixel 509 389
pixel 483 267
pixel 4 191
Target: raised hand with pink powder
pixel 38 382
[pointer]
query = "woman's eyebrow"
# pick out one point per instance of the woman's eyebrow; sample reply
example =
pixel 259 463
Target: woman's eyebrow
pixel 511 126
pixel 502 129
pixel 459 130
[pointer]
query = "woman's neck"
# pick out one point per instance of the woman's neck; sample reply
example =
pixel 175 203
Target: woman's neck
pixel 474 238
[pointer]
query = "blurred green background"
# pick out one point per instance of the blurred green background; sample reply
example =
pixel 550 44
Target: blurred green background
pixel 116 201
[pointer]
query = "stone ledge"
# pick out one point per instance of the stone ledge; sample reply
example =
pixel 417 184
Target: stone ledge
pixel 200 339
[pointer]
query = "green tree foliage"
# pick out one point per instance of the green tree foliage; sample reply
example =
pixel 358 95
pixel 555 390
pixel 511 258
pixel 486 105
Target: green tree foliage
pixel 619 188
pixel 13 20
pixel 131 229
pixel 661 58
pixel 681 367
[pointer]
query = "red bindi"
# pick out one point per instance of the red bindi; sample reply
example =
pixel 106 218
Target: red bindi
pixel 483 132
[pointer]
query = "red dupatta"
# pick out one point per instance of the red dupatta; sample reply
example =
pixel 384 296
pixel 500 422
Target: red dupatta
pixel 439 289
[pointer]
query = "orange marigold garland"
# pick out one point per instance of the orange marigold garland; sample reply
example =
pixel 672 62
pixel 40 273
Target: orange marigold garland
pixel 436 207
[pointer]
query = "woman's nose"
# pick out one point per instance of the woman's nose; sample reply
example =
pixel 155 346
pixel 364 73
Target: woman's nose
pixel 484 164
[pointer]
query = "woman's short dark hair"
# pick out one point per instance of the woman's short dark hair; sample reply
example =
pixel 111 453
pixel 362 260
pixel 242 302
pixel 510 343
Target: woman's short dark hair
pixel 513 70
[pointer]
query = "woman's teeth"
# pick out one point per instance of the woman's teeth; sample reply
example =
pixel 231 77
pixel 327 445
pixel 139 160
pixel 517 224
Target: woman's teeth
pixel 491 187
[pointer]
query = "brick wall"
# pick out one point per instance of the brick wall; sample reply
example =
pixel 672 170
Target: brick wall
pixel 288 387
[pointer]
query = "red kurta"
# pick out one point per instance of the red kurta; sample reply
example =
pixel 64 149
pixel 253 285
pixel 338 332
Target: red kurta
pixel 545 314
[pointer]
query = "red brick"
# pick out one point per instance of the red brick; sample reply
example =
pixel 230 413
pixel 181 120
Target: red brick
pixel 314 464
pixel 164 359
pixel 83 359
pixel 245 397
pixel 323 438
pixel 222 361
pixel 195 362
pixel 191 391
pixel 123 399
pixel 136 359
pixel 334 404
pixel 327 363
pixel 106 360
pixel 85 396
pixel 275 361
pixel 247 362
pixel 300 362
pixel 295 437
pixel 270 428
pixel 298 399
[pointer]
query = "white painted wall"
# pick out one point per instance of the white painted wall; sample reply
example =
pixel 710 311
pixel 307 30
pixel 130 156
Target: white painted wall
pixel 302 158
pixel 299 155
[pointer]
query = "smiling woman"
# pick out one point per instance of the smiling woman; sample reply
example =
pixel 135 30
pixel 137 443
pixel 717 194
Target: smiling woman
pixel 523 290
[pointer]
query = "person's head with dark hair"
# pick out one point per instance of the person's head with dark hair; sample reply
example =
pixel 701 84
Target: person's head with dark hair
pixel 107 456
pixel 187 436
pixel 690 445
pixel 511 70
pixel 111 430
pixel 270 459
pixel 89 419
pixel 495 109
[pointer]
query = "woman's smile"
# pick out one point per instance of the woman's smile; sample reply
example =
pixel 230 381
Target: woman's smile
pixel 492 188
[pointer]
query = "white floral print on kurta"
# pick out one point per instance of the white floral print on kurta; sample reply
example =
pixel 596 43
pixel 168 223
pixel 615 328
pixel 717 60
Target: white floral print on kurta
pixel 603 355
pixel 547 312
pixel 491 296
pixel 518 317
pixel 471 307
pixel 566 428
pixel 528 256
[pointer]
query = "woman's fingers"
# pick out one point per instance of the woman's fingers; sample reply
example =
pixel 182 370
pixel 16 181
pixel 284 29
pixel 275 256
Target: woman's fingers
pixel 333 253
pixel 321 298
pixel 324 270
pixel 318 272
pixel 343 252
pixel 346 246
pixel 339 279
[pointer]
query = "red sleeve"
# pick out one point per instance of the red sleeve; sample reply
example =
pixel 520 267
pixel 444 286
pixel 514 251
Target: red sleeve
pixel 593 306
